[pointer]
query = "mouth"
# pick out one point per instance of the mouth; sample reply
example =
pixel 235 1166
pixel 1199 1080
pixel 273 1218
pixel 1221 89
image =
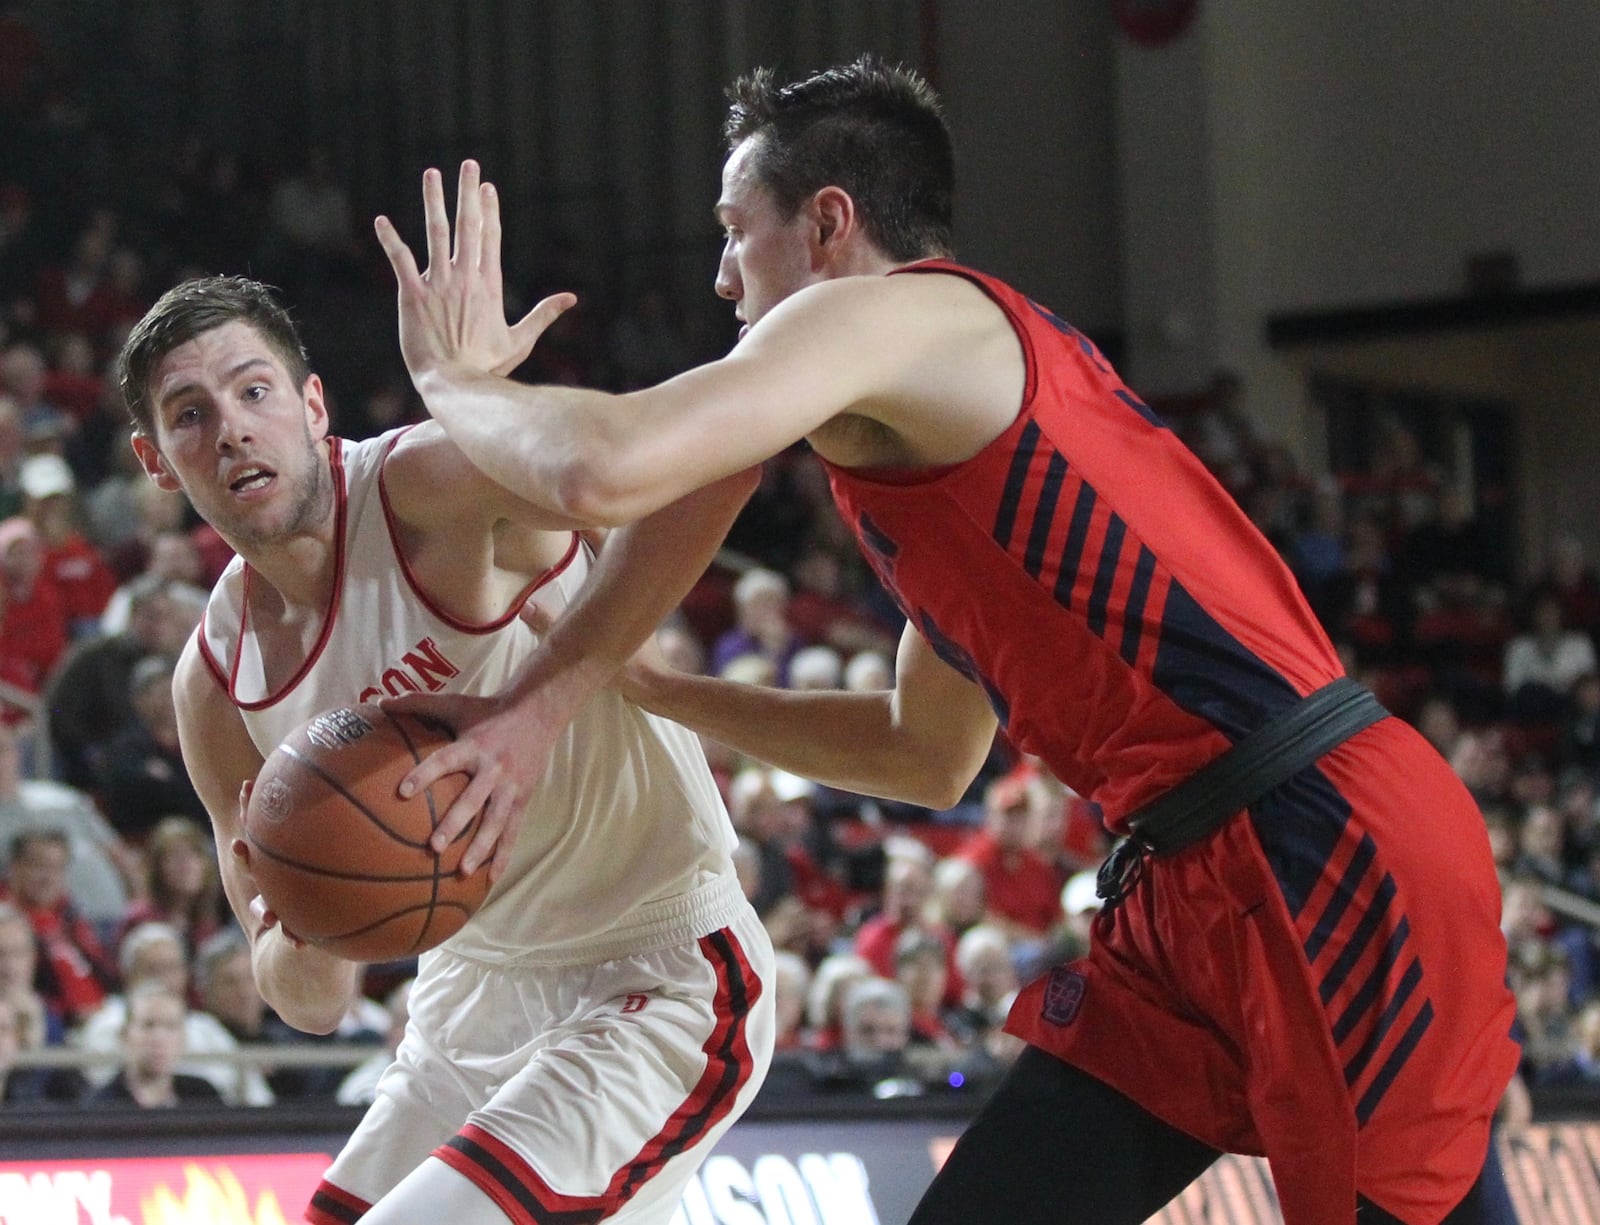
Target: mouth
pixel 251 479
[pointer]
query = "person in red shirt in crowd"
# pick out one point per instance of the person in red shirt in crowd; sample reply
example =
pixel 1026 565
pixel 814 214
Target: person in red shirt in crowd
pixel 907 889
pixel 74 565
pixel 77 975
pixel 35 630
pixel 1022 888
pixel 922 967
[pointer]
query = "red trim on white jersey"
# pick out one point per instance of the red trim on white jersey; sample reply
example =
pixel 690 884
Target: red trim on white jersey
pixel 428 602
pixel 336 463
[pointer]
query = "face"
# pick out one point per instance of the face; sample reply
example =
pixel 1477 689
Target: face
pixel 154 1036
pixel 160 961
pixel 235 434
pixel 183 868
pixel 764 257
pixel 879 1029
pixel 39 874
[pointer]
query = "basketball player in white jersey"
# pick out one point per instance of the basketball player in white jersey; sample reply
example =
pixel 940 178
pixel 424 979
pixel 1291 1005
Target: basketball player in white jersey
pixel 579 1045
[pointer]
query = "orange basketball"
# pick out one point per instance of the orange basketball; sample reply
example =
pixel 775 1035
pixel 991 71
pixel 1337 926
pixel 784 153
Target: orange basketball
pixel 339 857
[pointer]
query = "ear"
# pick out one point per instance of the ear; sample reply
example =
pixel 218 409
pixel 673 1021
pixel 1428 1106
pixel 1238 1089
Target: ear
pixel 316 407
pixel 154 464
pixel 834 223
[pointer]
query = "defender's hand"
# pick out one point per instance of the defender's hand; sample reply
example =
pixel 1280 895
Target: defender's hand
pixel 454 313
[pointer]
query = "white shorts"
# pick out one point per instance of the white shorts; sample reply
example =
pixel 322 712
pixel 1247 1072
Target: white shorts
pixel 590 1090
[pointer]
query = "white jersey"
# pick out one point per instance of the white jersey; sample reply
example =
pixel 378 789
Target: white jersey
pixel 627 845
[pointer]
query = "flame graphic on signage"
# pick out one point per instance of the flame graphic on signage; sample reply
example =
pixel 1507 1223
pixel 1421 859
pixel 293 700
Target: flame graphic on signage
pixel 209 1199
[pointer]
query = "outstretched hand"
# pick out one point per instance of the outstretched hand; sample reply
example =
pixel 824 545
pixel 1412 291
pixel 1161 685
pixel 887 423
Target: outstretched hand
pixel 503 749
pixel 454 313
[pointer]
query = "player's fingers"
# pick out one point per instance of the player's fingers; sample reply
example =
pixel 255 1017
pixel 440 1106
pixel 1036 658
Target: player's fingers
pixel 489 256
pixel 241 851
pixel 516 810
pixel 531 326
pixel 537 618
pixel 469 217
pixel 450 759
pixel 437 222
pixel 487 837
pixel 460 814
pixel 400 257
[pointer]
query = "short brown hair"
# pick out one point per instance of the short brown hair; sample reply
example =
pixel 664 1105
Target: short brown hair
pixel 191 309
pixel 876 130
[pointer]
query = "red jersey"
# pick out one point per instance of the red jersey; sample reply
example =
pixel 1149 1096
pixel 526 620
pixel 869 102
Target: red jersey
pixel 1027 891
pixel 1127 620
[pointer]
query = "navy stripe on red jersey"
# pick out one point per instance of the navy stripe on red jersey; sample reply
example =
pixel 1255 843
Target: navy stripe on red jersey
pixel 1356 936
pixel 1133 618
pixel 1077 538
pixel 1016 482
pixel 524 1195
pixel 331 1205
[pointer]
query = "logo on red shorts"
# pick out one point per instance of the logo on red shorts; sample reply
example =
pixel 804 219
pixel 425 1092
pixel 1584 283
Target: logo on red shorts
pixel 1063 995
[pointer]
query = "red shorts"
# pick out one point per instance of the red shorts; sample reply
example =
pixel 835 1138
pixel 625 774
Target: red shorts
pixel 1321 981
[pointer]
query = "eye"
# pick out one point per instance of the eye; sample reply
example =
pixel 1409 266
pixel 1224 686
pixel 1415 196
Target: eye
pixel 255 391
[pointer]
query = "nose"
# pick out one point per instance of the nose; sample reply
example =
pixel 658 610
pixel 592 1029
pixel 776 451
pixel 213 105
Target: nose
pixel 728 286
pixel 233 429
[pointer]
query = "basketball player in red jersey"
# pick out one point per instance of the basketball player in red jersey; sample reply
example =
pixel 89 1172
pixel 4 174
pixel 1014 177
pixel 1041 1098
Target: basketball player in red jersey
pixel 1301 961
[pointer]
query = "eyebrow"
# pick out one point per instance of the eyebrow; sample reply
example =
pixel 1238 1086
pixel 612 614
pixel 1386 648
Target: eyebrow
pixel 234 373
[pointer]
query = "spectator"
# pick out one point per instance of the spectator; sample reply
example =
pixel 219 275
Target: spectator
pixel 1543 662
pixel 225 985
pixel 40 1024
pixel 35 630
pixel 152 1038
pixel 1580 729
pixel 761 626
pixel 907 887
pixel 142 776
pixel 154 953
pixel 75 567
pixel 824 999
pixel 957 902
pixel 816 668
pixel 791 983
pixel 101 868
pixel 182 888
pixel 74 974
pixel 983 955
pixel 1024 896
pixel 921 966
pixel 876 1018
pixel 90 698
pixel 1582 1064
pixel 22 1087
pixel 868 671
pixel 1543 845
pixel 174 560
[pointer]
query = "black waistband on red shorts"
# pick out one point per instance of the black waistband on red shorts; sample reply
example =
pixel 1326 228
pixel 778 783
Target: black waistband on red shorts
pixel 1267 757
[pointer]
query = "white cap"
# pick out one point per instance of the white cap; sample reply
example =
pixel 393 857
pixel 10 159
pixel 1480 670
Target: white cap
pixel 43 476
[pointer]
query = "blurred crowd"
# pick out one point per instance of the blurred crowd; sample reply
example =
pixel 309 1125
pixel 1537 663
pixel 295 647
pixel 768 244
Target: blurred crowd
pixel 903 933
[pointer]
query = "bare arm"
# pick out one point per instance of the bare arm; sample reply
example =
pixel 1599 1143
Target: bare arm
pixel 930 359
pixel 308 988
pixel 921 742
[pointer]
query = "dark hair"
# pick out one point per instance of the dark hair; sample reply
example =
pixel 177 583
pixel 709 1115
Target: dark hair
pixel 873 130
pixel 192 309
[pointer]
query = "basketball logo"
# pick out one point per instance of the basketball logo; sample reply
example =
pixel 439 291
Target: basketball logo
pixel 273 800
pixel 336 728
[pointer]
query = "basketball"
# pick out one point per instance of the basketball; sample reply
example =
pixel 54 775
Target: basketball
pixel 339 857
